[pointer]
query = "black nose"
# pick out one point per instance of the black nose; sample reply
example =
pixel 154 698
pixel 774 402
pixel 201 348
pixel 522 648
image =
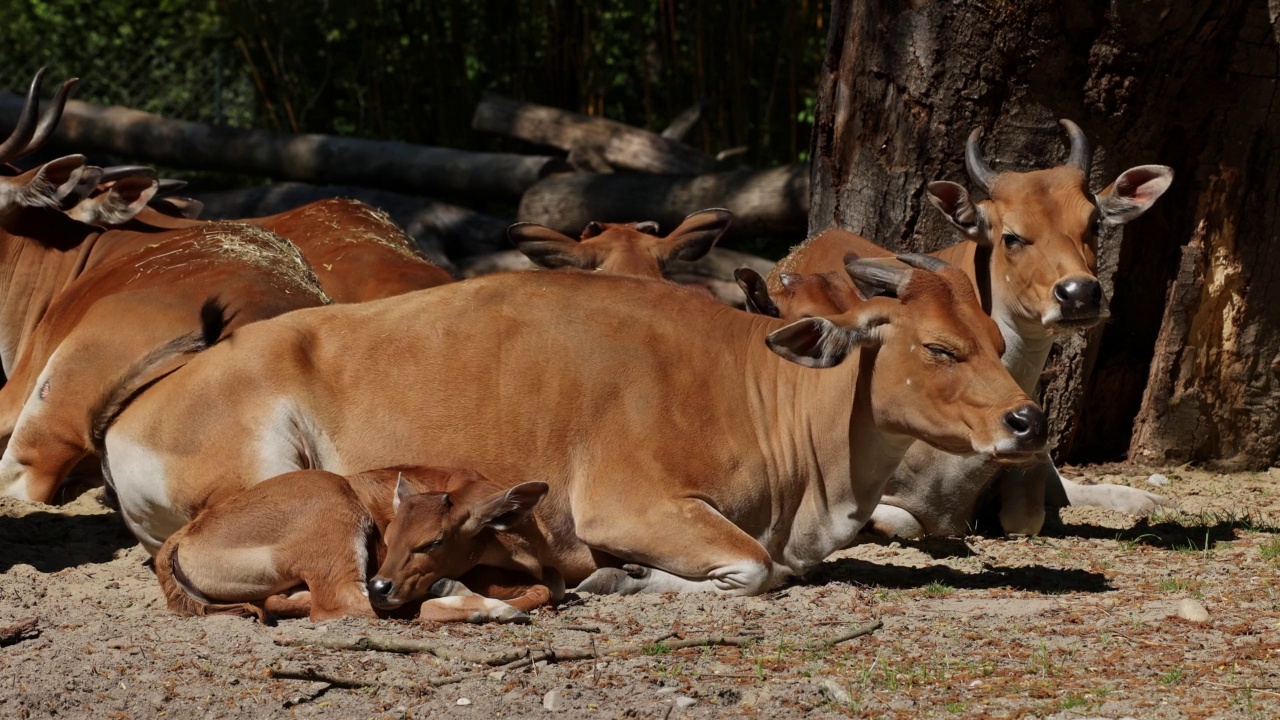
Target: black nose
pixel 1028 425
pixel 380 586
pixel 1078 297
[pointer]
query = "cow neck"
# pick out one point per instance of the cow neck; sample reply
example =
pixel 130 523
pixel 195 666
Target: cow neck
pixel 1027 343
pixel 819 435
pixel 41 251
pixel 375 495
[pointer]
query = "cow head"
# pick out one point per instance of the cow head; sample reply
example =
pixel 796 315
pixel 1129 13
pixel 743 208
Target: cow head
pixel 634 249
pixel 119 202
pixel 937 374
pixel 1041 228
pixel 49 184
pixel 802 295
pixel 439 535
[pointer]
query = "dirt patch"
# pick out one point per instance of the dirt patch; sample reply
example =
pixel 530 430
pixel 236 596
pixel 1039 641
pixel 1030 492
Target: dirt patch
pixel 1082 623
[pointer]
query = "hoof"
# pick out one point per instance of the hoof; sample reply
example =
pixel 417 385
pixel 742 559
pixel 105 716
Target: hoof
pixel 605 581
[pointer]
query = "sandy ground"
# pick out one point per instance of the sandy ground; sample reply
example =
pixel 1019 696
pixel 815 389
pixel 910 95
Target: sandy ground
pixel 1082 623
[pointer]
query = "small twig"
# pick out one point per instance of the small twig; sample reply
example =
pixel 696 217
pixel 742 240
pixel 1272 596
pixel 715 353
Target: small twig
pixel 19 631
pixel 1240 688
pixel 582 628
pixel 381 644
pixel 310 674
pixel 854 633
pixel 1152 643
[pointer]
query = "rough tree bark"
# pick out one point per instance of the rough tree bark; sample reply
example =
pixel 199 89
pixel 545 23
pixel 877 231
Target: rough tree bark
pixel 1186 83
pixel 620 145
pixel 395 166
pixel 764 202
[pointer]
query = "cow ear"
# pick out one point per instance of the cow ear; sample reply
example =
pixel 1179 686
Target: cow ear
pixel 402 493
pixel 958 208
pixel 1136 190
pixel 695 237
pixel 126 198
pixel 47 185
pixel 510 507
pixel 820 342
pixel 550 249
pixel 757 292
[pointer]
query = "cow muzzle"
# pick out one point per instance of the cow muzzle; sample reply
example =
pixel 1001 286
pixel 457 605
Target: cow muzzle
pixel 1029 429
pixel 1079 302
pixel 381 594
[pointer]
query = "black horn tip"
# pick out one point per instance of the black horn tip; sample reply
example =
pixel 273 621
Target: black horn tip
pixel 923 262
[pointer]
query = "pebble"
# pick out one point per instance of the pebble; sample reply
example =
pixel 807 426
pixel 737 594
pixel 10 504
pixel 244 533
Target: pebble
pixel 835 691
pixel 975 683
pixel 1192 610
pixel 1158 479
pixel 464 701
pixel 684 701
pixel 666 690
pixel 497 674
pixel 553 700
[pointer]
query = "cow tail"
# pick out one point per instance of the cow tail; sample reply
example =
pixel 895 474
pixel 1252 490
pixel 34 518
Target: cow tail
pixel 140 376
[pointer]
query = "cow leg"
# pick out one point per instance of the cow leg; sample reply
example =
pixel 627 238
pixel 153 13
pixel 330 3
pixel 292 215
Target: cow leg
pixel 892 521
pixel 460 604
pixel 708 554
pixel 293 605
pixel 1022 496
pixel 332 599
pixel 1120 498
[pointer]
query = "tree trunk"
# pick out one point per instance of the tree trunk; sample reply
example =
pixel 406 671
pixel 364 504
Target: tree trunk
pixel 311 158
pixel 620 145
pixel 764 202
pixel 1184 83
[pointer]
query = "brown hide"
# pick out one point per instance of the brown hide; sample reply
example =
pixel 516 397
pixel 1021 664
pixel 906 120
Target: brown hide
pixel 640 404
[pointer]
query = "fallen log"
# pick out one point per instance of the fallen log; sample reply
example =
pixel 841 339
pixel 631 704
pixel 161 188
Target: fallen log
pixel 443 231
pixel 764 202
pixel 713 271
pixel 622 146
pixel 398 166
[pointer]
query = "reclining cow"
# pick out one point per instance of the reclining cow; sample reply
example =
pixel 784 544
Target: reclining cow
pixel 632 249
pixel 1032 258
pixel 357 252
pixel 79 305
pixel 302 545
pixel 641 404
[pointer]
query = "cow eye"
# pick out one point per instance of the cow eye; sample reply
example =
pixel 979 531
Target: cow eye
pixel 940 351
pixel 1012 241
pixel 433 545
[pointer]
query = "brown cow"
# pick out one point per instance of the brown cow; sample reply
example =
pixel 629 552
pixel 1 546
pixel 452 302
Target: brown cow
pixel 304 543
pixel 640 404
pixel 632 249
pixel 79 305
pixel 1033 260
pixel 357 252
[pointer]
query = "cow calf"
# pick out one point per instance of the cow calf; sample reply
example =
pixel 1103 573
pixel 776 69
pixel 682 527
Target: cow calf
pixel 253 553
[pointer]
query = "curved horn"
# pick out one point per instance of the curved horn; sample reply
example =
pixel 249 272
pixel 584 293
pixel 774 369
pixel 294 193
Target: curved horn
pixel 1080 157
pixel 876 275
pixel 117 172
pixel 979 171
pixel 26 126
pixel 924 262
pixel 169 185
pixel 49 122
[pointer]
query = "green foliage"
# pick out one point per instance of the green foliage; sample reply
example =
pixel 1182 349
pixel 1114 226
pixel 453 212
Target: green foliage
pixel 414 69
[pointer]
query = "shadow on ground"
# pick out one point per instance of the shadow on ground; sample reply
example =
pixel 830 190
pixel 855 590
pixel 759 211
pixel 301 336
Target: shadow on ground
pixel 1170 534
pixel 1034 578
pixel 50 541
